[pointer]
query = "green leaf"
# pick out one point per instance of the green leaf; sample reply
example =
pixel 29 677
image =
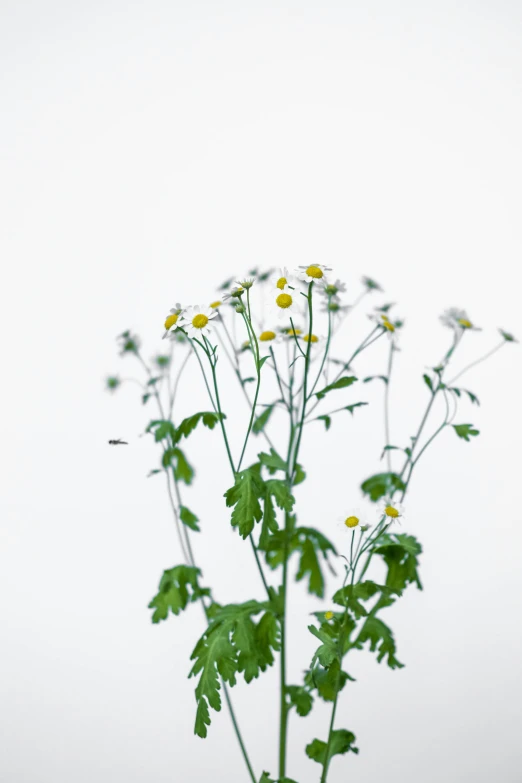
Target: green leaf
pixel 300 698
pixel 310 543
pixel 162 429
pixel 245 496
pixel 300 475
pixel 327 421
pixel 327 681
pixel 272 461
pixel 188 518
pixel 261 362
pixel 233 643
pixel 178 586
pixel 209 419
pixel 342 383
pixel 328 651
pixel 472 397
pixel 381 641
pixel 400 553
pixel 382 484
pixel 262 420
pixel 269 523
pixel 352 595
pixel 352 407
pixel 341 742
pixel 145 398
pixel 153 472
pixel 281 493
pixel 375 377
pixel 183 470
pixel 428 382
pixel 465 431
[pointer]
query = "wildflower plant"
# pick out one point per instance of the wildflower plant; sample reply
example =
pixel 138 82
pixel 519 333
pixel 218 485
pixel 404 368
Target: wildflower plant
pixel 282 324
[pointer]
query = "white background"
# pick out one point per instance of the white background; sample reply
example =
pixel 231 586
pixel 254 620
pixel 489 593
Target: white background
pixel 148 151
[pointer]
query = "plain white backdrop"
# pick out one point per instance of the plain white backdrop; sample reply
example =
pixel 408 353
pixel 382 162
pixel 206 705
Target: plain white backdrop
pixel 149 150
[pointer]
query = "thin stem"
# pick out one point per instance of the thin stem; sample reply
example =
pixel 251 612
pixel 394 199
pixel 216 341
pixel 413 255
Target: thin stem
pixel 477 361
pixel 387 406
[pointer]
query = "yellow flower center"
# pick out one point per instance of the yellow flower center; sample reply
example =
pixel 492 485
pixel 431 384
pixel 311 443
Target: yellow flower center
pixel 281 283
pixel 267 336
pixel 389 326
pixel 283 301
pixel 465 323
pixel 215 305
pixel 171 320
pixel 351 521
pixel 199 321
pixel 315 272
pixel 312 338
pixel 390 511
pixel 328 615
pixel 294 331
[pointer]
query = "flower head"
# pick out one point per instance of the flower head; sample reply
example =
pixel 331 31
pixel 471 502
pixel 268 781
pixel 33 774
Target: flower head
pixel 235 293
pixel 247 282
pixel 457 319
pixel 216 304
pixel 371 284
pixel 171 321
pixel 392 510
pixel 129 343
pixel 329 616
pixel 284 303
pixel 196 321
pixel 267 336
pixel 310 338
pixel 508 337
pixel 282 279
pixel 112 383
pixel 333 289
pixel 313 273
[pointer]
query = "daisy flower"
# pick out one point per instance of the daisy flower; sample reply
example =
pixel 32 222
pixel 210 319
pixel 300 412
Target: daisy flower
pixel 455 318
pixel 284 303
pixel 392 510
pixel 357 519
pixel 312 338
pixel 283 279
pixel 268 337
pixel 314 273
pixel 171 321
pixel 247 282
pixel 196 320
pixel 292 332
pixel 333 289
pixel 235 293
pixel 217 303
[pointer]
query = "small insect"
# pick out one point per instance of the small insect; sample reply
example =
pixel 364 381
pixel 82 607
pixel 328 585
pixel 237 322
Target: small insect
pixel 118 442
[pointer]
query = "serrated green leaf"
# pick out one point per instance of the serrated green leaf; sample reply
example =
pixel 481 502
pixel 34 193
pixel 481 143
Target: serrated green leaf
pixel 188 518
pixel 400 553
pixel 232 643
pixel 209 419
pixel 272 461
pixel 341 742
pixel 177 588
pixel 300 698
pixel 162 429
pixel 382 484
pixel 341 383
pixel 310 543
pixel 281 493
pixel 183 470
pixel 245 496
pixel 352 595
pixel 327 681
pixel 262 420
pixel 328 651
pixel 381 641
pixel 465 431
